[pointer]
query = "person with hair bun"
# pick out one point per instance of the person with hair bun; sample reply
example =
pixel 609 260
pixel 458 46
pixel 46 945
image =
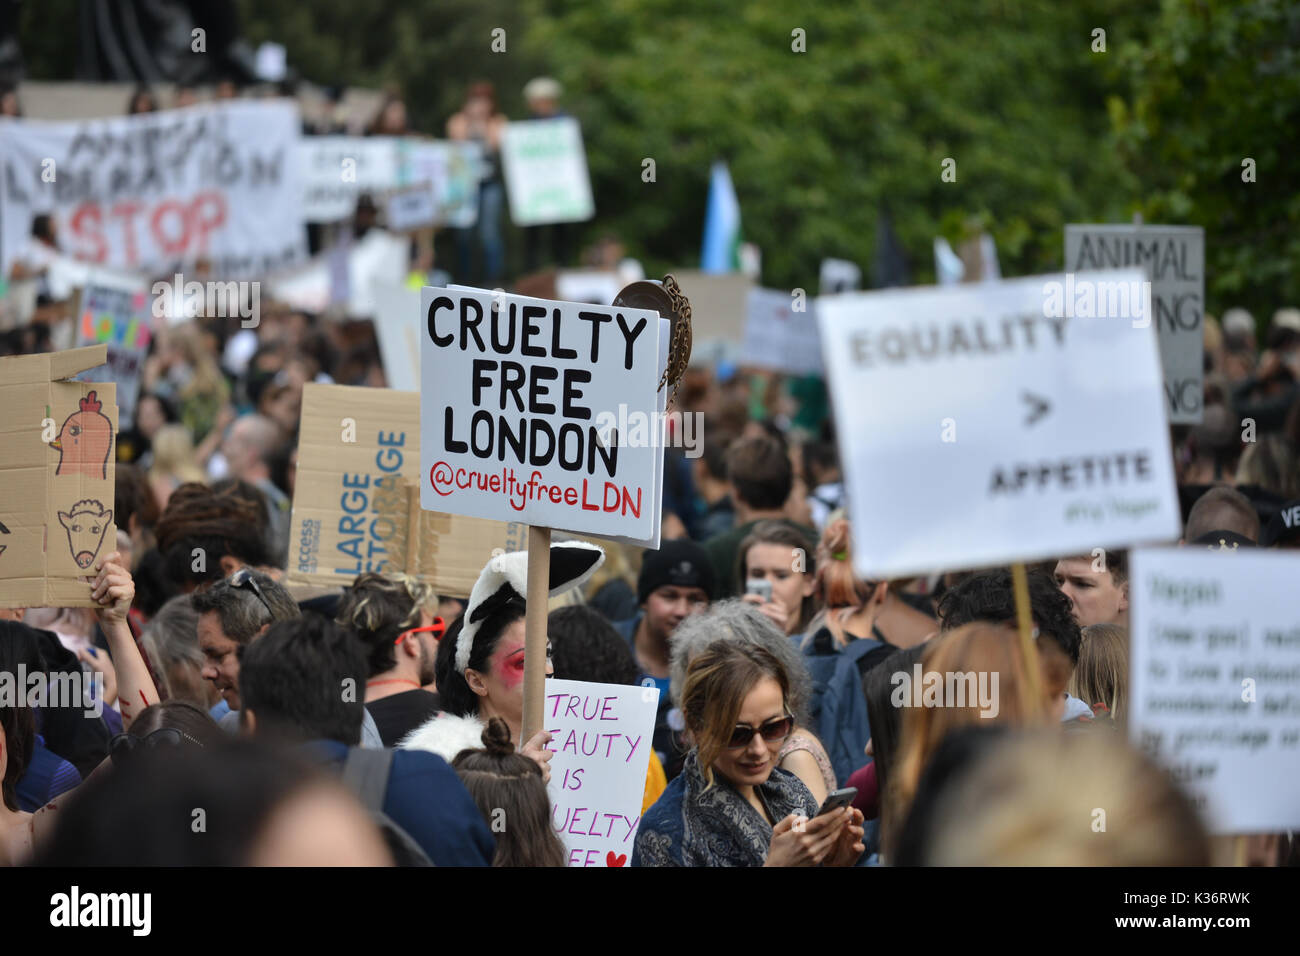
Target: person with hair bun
pixel 511 794
pixel 732 805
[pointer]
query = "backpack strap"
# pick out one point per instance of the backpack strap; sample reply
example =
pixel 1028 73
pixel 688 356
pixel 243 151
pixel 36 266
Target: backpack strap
pixel 365 773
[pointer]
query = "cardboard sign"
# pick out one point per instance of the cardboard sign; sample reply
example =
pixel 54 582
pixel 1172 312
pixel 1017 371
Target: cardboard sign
pixel 351 510
pixel 979 425
pixel 1215 689
pixel 1173 258
pixel 781 333
pixel 59 469
pixel 719 305
pixel 522 402
pixel 545 167
pixel 120 320
pixel 160 191
pixel 601 740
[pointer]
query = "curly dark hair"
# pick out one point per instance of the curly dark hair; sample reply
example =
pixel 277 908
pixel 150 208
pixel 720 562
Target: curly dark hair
pixel 585 646
pixel 988 596
pixel 217 523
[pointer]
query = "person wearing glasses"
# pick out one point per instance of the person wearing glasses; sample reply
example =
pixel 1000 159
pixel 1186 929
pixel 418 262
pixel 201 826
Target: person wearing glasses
pixel 401 638
pixel 732 805
pixel 232 613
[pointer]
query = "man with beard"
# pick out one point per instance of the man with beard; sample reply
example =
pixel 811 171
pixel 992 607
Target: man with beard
pixel 401 640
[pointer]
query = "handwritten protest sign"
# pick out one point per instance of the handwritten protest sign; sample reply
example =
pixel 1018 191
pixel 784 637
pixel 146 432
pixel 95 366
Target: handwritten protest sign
pixel 335 170
pixel 781 333
pixel 358 454
pixel 119 319
pixel 160 191
pixel 58 472
pixel 545 167
pixel 1174 260
pixel 970 421
pixel 1215 689
pixel 601 739
pixel 520 402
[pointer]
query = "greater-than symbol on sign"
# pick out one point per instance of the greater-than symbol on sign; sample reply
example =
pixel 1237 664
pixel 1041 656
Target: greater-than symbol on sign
pixel 1038 407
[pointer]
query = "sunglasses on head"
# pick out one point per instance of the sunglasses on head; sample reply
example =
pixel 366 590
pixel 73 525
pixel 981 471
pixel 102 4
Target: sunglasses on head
pixel 243 578
pixel 438 627
pixel 123 744
pixel 772 731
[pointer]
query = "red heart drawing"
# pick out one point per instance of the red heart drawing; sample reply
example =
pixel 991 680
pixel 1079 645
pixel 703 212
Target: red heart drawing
pixel 612 860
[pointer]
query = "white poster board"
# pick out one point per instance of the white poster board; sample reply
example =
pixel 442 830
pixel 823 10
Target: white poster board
pixel 397 326
pixel 157 192
pixel 545 166
pixel 1215 688
pixel 781 332
pixel 601 740
pixel 338 169
pixel 1173 258
pixel 522 408
pixel 978 425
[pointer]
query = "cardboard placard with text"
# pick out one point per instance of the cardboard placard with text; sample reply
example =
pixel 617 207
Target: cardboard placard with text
pixel 601 740
pixel 545 410
pixel 57 468
pixel 355 506
pixel 1214 694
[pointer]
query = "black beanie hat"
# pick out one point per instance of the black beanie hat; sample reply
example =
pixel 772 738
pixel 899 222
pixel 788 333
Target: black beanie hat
pixel 680 563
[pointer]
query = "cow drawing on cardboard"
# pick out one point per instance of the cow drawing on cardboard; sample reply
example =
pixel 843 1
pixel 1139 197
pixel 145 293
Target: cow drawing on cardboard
pixel 85 524
pixel 85 441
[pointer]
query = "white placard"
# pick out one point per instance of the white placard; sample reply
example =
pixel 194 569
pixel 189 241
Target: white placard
pixel 338 169
pixel 601 739
pixel 978 425
pixel 541 411
pixel 1173 258
pixel 545 166
pixel 411 207
pixel 839 275
pixel 1215 689
pixel 160 191
pixel 781 332
pixel 397 326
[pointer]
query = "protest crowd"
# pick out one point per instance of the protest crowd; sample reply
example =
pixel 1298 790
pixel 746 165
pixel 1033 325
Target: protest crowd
pixel 242 716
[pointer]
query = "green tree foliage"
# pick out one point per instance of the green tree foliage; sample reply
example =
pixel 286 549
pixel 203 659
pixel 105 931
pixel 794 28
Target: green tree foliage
pixel 1215 82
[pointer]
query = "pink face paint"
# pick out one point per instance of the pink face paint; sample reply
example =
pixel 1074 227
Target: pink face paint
pixel 509 666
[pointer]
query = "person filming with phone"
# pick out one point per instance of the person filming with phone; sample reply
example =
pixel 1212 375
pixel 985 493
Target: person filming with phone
pixel 732 805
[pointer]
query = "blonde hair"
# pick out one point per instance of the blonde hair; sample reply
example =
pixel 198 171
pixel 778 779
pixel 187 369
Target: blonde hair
pixel 1101 676
pixel 979 647
pixel 1053 799
pixel 173 455
pixel 717 682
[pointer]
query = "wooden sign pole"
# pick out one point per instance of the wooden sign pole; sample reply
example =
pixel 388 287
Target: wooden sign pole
pixel 539 576
pixel 1025 625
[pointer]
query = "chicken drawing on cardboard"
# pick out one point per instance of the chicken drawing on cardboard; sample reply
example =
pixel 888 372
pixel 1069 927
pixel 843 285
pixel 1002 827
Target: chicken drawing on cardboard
pixel 85 523
pixel 85 441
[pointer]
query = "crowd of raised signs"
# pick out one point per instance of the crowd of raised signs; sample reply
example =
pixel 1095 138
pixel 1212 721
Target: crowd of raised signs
pixel 806 716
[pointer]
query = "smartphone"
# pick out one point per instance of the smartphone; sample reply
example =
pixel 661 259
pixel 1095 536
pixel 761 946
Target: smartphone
pixel 760 587
pixel 838 799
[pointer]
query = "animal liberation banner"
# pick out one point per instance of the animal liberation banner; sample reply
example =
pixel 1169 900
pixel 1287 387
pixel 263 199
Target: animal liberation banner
pixel 356 503
pixel 58 466
pixel 542 411
pixel 600 734
pixel 545 166
pixel 158 192
pixel 991 422
pixel 1174 260
pixel 119 319
pixel 1215 689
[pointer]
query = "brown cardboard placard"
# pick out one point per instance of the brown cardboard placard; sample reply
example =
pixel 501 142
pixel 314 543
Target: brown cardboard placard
pixel 356 501
pixel 57 469
pixel 719 304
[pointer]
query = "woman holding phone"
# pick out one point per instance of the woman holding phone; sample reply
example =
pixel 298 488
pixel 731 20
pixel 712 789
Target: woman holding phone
pixel 779 574
pixel 732 805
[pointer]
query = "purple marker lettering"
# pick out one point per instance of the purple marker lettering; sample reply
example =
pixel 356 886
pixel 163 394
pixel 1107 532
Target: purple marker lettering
pixel 560 828
pixel 611 817
pixel 553 734
pixel 595 709
pixel 571 743
pixel 594 830
pixel 576 813
pixel 635 744
pixel 557 698
pixel 631 827
pixel 570 711
pixel 589 855
pixel 609 702
pixel 572 854
pixel 609 742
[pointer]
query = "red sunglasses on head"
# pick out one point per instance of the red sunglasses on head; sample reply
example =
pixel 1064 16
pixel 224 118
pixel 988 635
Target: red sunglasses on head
pixel 438 627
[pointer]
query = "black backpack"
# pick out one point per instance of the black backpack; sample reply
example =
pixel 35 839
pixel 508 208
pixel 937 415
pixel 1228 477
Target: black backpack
pixel 365 773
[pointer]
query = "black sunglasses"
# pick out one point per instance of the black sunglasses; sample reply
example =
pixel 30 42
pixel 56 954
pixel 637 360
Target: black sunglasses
pixel 123 744
pixel 244 578
pixel 772 731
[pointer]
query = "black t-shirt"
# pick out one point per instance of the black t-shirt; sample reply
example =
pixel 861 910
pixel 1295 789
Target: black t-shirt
pixel 397 715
